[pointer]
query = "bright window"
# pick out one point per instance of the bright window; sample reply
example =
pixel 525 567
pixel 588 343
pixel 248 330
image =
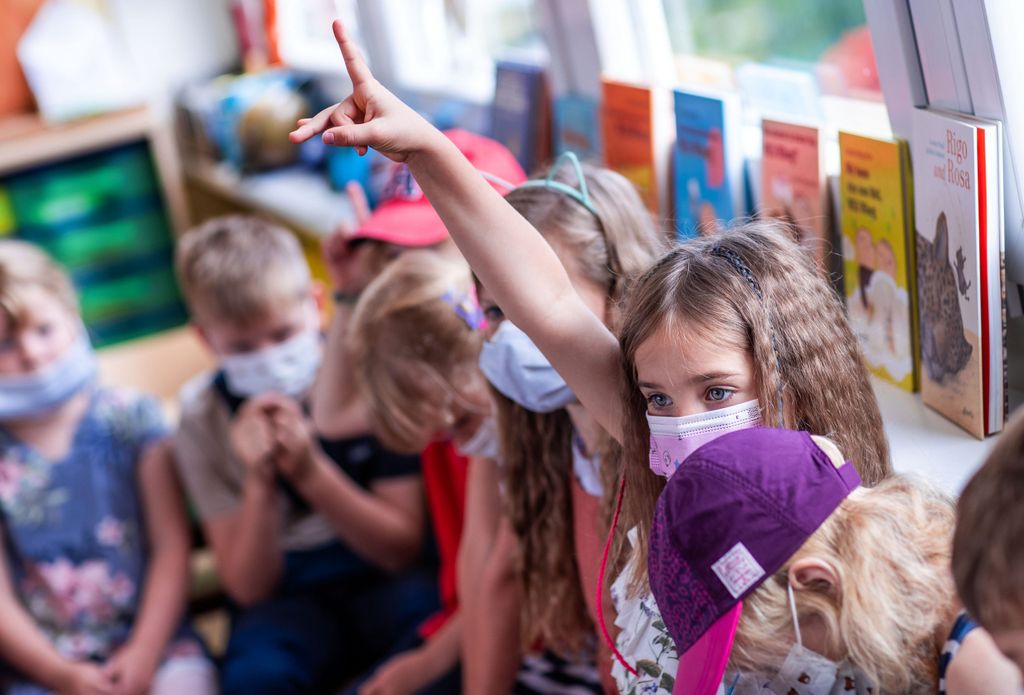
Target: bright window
pixel 818 55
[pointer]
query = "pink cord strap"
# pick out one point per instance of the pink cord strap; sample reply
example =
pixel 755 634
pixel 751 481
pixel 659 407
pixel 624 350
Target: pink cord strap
pixel 600 582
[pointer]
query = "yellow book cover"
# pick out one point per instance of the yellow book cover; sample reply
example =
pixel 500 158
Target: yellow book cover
pixel 878 256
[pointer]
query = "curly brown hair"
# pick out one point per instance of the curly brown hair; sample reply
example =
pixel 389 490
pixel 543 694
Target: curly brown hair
pixel 609 249
pixel 796 332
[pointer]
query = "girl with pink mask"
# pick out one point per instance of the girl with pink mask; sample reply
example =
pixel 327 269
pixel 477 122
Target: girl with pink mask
pixel 723 332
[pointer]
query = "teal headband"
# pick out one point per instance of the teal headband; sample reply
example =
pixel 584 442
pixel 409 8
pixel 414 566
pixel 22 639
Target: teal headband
pixel 581 195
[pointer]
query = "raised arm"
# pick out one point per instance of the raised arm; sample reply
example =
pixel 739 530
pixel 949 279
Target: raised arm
pixel 504 250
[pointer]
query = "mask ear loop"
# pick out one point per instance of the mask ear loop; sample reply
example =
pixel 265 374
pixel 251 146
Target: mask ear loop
pixel 600 583
pixel 792 610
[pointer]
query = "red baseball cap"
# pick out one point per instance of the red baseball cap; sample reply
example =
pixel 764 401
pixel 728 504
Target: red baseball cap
pixel 406 218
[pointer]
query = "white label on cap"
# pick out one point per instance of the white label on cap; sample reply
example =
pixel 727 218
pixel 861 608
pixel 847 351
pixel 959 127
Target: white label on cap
pixel 738 570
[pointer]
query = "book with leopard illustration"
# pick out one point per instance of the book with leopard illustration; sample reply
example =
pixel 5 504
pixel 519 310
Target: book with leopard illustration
pixel 878 254
pixel 958 239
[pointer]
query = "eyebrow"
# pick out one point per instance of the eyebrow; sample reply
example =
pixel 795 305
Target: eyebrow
pixel 713 376
pixel 697 379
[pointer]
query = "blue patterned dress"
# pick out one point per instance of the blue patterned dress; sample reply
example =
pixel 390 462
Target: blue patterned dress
pixel 74 528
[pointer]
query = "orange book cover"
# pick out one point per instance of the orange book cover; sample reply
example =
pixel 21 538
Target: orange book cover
pixel 627 128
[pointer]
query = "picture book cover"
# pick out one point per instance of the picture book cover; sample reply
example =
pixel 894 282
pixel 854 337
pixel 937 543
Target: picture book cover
pixel 952 206
pixel 707 167
pixel 627 127
pixel 792 183
pixel 878 254
pixel 577 126
pixel 517 116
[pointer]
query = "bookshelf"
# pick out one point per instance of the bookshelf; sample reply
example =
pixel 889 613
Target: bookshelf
pixel 299 198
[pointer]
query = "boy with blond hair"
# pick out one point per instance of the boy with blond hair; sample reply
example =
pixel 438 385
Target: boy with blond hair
pixel 988 546
pixel 305 532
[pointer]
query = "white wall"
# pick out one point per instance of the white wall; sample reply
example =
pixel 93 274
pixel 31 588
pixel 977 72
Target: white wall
pixel 173 42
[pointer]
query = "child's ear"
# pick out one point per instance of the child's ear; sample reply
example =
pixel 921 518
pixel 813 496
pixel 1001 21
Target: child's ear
pixel 201 334
pixel 816 574
pixel 319 294
pixel 831 450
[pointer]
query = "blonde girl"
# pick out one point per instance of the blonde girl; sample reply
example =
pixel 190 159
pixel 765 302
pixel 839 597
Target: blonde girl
pixel 729 332
pixel 801 581
pixel 558 462
pixel 93 574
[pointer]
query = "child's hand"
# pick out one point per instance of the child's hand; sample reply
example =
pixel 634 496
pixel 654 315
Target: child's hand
pixel 292 454
pixel 252 437
pixel 131 670
pixel 347 263
pixel 86 679
pixel 400 675
pixel 370 117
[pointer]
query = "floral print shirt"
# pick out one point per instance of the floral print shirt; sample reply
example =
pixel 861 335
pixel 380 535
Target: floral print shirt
pixel 643 639
pixel 74 531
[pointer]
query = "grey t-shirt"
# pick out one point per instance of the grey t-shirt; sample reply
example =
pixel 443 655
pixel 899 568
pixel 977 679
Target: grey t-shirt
pixel 214 477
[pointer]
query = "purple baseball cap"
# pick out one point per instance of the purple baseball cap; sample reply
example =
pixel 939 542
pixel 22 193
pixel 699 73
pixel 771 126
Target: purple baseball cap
pixel 731 516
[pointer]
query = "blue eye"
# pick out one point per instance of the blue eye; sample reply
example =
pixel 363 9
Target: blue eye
pixel 718 394
pixel 659 400
pixel 494 314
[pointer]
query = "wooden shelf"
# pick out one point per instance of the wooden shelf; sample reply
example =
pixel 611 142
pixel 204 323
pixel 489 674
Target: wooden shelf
pixel 27 140
pixel 924 443
pixel 298 197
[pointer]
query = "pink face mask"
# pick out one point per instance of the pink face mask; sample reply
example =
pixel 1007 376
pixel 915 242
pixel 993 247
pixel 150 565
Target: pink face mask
pixel 673 439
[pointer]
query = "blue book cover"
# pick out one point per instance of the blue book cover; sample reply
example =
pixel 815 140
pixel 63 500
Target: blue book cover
pixel 577 128
pixel 516 118
pixel 707 178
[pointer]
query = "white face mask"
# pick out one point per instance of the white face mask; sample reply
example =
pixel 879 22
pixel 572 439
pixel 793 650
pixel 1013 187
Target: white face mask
pixel 803 672
pixel 289 367
pixel 673 439
pixel 520 371
pixel 29 395
pixel 484 442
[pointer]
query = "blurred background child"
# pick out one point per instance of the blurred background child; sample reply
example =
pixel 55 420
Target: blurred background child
pixel 307 533
pixel 93 577
pixel 988 562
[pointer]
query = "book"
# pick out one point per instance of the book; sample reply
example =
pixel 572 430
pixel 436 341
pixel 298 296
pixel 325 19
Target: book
pixel 577 126
pixel 791 183
pixel 875 202
pixel 519 113
pixel 958 233
pixel 635 136
pixel 707 162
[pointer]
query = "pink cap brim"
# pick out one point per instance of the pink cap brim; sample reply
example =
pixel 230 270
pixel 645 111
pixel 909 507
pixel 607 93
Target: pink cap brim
pixel 412 224
pixel 702 666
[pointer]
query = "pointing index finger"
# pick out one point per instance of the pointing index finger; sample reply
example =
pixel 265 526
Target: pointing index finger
pixel 354 63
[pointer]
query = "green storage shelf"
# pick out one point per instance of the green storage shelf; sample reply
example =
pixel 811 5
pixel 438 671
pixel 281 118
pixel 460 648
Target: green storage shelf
pixel 83 188
pixel 107 242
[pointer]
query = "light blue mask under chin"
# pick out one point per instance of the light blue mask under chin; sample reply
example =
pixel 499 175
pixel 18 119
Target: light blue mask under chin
pixel 520 371
pixel 30 395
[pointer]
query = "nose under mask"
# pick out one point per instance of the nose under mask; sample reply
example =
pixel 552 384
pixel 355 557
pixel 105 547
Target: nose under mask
pixel 29 395
pixel 673 439
pixel 520 371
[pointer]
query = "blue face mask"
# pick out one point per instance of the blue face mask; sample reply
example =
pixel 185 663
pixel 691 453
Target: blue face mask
pixel 29 395
pixel 520 372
